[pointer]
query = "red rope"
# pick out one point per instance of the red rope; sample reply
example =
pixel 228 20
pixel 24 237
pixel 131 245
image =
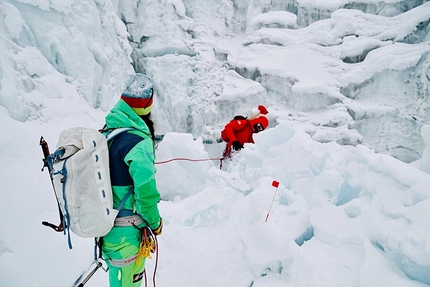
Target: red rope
pixel 187 159
pixel 155 267
pixel 156 260
pixel 226 154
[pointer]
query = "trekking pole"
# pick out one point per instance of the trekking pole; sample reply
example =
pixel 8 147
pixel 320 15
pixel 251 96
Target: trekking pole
pixel 275 184
pixel 98 265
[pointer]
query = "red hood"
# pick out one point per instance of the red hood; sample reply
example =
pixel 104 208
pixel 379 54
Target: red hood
pixel 260 120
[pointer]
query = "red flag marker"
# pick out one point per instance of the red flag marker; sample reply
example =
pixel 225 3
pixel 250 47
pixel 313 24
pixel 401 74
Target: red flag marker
pixel 275 184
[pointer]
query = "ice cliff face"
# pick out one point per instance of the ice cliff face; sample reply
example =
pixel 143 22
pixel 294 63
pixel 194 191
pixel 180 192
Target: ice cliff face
pixel 346 71
pixel 76 51
pixel 220 56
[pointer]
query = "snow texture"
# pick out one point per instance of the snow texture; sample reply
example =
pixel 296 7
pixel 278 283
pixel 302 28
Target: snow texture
pixel 346 84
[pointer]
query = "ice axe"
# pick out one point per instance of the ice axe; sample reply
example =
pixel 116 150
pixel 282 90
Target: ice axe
pixel 261 111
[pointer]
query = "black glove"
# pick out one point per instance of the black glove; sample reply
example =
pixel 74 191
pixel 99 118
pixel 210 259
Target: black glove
pixel 158 230
pixel 236 145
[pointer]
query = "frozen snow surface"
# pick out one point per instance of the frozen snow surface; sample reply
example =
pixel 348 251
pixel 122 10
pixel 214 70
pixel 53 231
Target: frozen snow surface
pixel 346 84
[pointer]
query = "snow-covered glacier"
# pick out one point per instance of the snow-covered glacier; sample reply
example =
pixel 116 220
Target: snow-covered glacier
pixel 341 79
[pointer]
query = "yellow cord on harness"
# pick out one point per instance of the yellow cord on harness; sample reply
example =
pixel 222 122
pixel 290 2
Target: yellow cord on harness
pixel 147 246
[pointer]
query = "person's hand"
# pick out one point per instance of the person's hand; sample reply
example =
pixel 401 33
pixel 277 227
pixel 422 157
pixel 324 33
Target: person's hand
pixel 236 145
pixel 159 229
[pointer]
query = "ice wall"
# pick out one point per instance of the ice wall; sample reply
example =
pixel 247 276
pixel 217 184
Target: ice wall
pixel 70 50
pixel 424 163
pixel 211 61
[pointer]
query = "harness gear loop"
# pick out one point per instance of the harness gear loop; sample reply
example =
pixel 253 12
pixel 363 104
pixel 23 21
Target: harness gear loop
pixel 147 246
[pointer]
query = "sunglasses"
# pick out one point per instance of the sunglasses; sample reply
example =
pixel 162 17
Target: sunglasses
pixel 258 128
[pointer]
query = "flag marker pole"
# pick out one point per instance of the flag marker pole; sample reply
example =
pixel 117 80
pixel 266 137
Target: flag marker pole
pixel 275 184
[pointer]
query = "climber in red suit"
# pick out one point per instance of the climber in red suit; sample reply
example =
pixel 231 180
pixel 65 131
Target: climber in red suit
pixel 238 132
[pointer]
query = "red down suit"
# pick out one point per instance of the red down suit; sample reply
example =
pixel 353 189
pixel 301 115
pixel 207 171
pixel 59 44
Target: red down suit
pixel 242 130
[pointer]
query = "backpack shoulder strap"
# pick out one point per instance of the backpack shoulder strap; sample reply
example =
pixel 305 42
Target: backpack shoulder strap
pixel 116 132
pixel 110 136
pixel 125 198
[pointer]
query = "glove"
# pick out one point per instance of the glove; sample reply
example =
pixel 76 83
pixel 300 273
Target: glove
pixel 236 145
pixel 158 230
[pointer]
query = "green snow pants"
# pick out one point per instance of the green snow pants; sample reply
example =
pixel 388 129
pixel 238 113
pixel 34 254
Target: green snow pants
pixel 121 245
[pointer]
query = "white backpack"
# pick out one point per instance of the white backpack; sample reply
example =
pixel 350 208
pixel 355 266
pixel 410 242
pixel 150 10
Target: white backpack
pixel 80 175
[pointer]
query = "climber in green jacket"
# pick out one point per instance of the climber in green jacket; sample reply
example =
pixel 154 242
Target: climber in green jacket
pixel 132 156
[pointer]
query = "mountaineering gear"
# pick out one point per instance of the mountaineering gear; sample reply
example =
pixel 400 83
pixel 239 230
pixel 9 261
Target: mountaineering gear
pixel 82 152
pixel 120 249
pixel 236 145
pixel 98 265
pixel 258 128
pixel 138 94
pixel 131 158
pixel 147 245
pixel 79 169
pixel 263 123
pixel 130 220
pixel 45 149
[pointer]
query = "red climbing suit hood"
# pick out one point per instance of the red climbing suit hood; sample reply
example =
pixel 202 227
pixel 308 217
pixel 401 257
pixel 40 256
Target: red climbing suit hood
pixel 260 120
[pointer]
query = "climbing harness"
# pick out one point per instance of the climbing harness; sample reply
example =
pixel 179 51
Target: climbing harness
pixel 122 262
pixel 148 246
pixel 129 220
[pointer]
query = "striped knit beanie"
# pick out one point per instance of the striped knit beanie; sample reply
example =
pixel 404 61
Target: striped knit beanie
pixel 138 94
